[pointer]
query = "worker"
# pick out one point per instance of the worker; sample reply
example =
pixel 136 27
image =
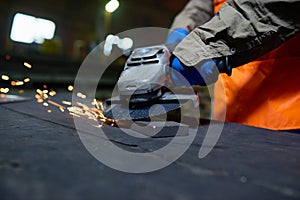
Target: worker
pixel 255 46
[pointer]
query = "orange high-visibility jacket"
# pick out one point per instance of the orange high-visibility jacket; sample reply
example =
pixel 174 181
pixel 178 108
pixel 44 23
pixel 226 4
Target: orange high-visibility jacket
pixel 265 92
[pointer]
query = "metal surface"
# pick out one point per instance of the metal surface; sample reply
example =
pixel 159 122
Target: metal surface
pixel 9 98
pixel 43 157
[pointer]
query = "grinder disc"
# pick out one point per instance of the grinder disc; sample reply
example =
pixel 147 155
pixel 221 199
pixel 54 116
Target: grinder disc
pixel 119 112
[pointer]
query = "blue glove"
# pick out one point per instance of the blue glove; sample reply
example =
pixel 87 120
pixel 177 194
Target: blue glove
pixel 205 74
pixel 177 35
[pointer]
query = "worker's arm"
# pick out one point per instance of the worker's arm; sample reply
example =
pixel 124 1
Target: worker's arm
pixel 242 30
pixel 194 14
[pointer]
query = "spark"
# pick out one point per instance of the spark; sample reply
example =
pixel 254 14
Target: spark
pixel 5 77
pixel 101 105
pixel 98 126
pixel 94 114
pixel 67 103
pixel 78 110
pixel 95 103
pixel 26 80
pixel 52 93
pixel 98 104
pixel 80 95
pixel 70 88
pixel 26 64
pixel 16 83
pixel 41 95
pixel 74 115
pixel 4 90
pixel 40 92
pixel 13 83
pixel 37 96
pixel 55 104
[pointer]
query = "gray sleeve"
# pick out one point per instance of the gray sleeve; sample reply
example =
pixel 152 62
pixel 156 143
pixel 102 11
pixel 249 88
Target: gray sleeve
pixel 242 30
pixel 194 14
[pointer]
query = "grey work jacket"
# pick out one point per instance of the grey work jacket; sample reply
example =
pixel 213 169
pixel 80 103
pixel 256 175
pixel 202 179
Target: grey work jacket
pixel 241 29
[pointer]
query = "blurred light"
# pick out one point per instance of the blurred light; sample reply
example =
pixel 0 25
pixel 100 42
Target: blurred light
pixel 7 57
pixel 67 103
pixel 109 42
pixel 80 95
pixel 112 5
pixel 18 83
pixel 70 88
pixel 13 83
pixel 124 44
pixel 29 29
pixel 26 80
pixel 5 77
pixel 39 91
pixel 4 90
pixel 26 64
pixel 45 30
pixel 52 93
pixel 45 96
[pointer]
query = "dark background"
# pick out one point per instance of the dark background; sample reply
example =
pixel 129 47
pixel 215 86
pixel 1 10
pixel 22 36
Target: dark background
pixel 83 20
pixel 80 26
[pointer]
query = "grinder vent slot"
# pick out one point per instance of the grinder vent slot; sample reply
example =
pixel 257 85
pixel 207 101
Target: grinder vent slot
pixel 147 60
pixel 136 59
pixel 149 57
pixel 133 64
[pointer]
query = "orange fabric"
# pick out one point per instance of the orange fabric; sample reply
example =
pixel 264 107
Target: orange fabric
pixel 263 93
pixel 218 4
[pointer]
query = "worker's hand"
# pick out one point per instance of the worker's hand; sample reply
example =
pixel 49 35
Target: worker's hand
pixel 177 35
pixel 205 74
